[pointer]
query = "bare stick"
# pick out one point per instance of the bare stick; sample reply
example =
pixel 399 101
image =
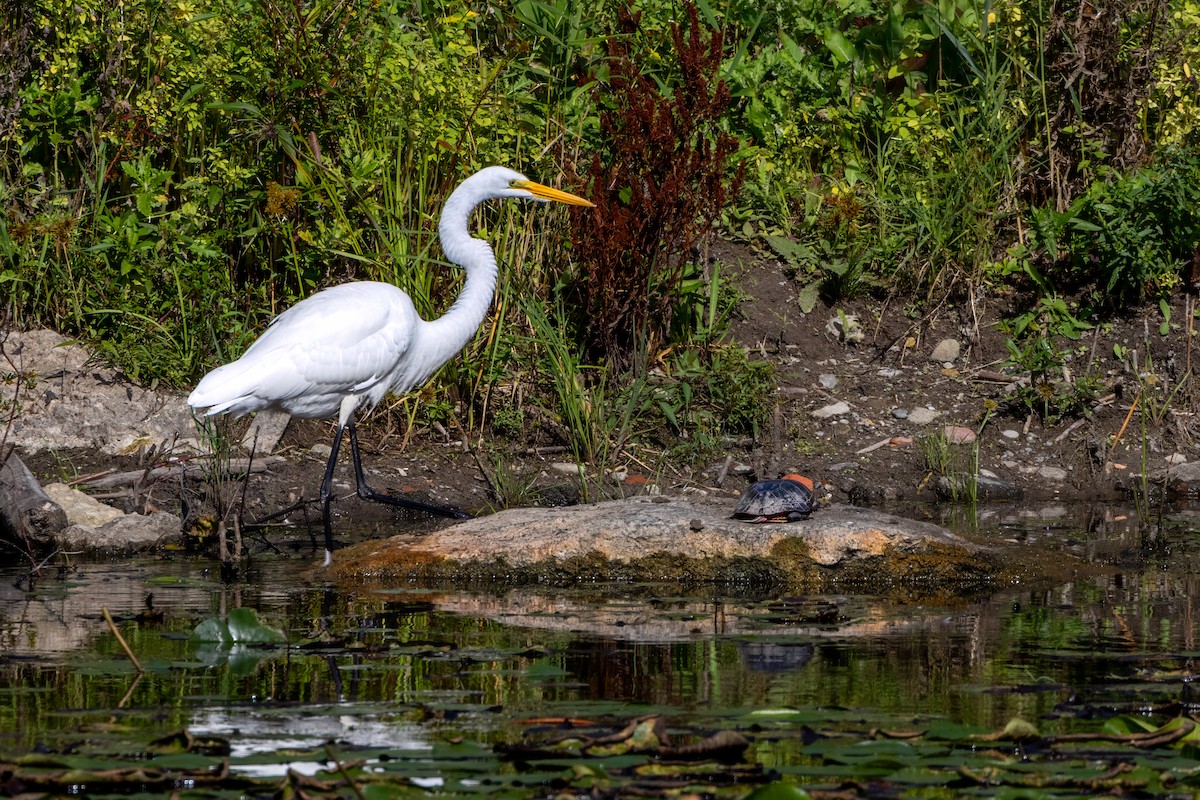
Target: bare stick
pixel 112 627
pixel 1124 424
pixel 342 771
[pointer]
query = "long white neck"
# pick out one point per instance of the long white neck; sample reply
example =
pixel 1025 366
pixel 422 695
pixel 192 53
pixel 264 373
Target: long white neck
pixel 449 333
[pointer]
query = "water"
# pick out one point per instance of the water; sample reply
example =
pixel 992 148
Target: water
pixel 425 683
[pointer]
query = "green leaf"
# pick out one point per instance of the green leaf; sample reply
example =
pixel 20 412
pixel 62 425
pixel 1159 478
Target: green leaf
pixel 808 296
pixel 778 791
pixel 241 627
pixel 841 47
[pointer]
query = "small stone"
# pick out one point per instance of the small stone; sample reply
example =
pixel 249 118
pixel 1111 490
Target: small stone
pixel 957 434
pixel 1175 459
pixel 566 468
pixel 321 450
pixel 845 328
pixel 827 380
pixel 900 413
pixel 832 410
pixel 1009 433
pixel 945 350
pixel 1056 474
pixel 922 416
pixel 889 373
pixel 986 488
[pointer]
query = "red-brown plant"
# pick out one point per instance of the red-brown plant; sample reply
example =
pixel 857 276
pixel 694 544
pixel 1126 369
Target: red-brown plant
pixel 659 183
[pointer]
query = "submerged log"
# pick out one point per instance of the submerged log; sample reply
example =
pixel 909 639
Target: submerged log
pixel 28 516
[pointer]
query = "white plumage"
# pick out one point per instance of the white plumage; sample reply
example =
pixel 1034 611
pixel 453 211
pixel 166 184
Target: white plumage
pixel 348 346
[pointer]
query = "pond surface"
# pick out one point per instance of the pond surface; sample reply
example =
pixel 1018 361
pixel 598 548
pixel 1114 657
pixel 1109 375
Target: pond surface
pixel 406 690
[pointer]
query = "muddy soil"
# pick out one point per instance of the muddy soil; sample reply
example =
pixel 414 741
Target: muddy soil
pixel 852 414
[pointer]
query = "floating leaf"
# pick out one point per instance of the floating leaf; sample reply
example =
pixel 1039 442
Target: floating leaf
pixel 242 626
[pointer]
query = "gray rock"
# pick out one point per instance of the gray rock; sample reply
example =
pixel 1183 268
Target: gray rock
pixel 1176 480
pixel 900 413
pixel 889 373
pixel 945 350
pixel 567 468
pixel 986 488
pixel 827 380
pixel 832 410
pixel 81 509
pixel 321 450
pixel 1056 474
pixel 1009 433
pixel 76 403
pixel 128 532
pixel 922 415
pixel 265 431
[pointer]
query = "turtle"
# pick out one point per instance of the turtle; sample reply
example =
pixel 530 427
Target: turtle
pixel 788 499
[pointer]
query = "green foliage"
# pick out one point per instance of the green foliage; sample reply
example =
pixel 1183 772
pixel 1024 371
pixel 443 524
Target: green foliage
pixel 1046 388
pixel 172 175
pixel 1133 236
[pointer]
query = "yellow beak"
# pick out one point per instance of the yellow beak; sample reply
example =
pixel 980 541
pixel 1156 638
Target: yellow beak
pixel 546 193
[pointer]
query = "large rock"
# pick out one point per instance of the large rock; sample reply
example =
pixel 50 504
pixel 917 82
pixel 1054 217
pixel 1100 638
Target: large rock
pixel 81 509
pixel 674 539
pixel 1177 480
pixel 126 533
pixel 76 402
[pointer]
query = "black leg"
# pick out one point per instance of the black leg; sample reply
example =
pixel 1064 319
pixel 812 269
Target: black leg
pixel 327 494
pixel 367 493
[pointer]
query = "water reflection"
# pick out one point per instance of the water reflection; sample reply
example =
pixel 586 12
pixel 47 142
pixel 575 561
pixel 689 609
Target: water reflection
pixel 401 668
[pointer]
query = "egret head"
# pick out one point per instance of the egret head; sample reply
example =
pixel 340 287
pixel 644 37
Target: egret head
pixel 504 182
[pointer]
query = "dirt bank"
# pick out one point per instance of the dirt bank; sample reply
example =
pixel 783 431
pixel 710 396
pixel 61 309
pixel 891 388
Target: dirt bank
pixel 851 411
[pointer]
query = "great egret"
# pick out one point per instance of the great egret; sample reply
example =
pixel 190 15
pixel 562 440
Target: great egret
pixel 349 345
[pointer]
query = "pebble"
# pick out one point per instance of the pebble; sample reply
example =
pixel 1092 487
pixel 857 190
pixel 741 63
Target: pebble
pixel 1009 433
pixel 832 410
pixel 889 372
pixel 922 416
pixel 827 380
pixel 957 434
pixel 900 413
pixel 1175 459
pixel 321 449
pixel 945 351
pixel 1057 474
pixel 566 468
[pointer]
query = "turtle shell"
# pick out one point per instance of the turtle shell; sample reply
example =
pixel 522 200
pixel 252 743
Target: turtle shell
pixel 782 500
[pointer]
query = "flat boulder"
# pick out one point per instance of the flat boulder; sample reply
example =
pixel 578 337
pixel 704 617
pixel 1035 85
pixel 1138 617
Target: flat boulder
pixel 682 540
pixel 128 533
pixel 68 399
